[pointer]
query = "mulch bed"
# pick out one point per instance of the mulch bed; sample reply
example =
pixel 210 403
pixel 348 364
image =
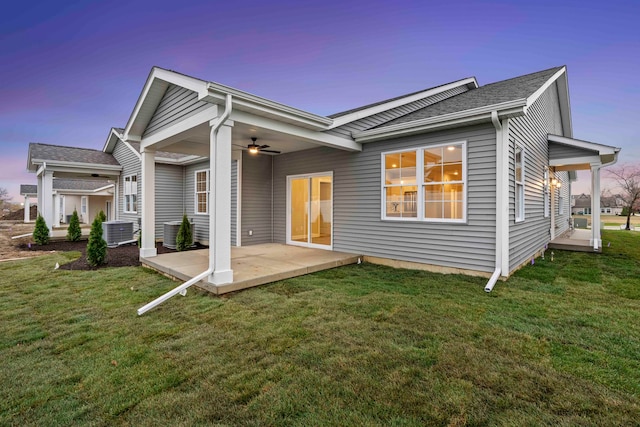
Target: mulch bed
pixel 122 256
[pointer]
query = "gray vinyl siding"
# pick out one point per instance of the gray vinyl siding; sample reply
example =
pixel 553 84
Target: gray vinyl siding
pixel 385 116
pixel 530 132
pixel 177 104
pixel 560 151
pixel 358 227
pixel 256 199
pixel 130 166
pixel 200 221
pixel 169 196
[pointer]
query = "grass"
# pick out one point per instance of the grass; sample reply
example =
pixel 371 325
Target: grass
pixel 558 344
pixel 612 220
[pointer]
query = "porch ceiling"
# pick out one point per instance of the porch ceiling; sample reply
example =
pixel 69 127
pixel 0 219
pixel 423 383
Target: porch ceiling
pixel 569 154
pixel 195 141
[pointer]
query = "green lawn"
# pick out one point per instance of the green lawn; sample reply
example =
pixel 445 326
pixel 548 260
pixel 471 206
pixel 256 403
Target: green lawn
pixel 558 344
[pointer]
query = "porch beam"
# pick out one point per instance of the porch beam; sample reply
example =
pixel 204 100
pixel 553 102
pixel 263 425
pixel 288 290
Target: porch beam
pixel 313 136
pixel 220 204
pixel 171 134
pixel 148 217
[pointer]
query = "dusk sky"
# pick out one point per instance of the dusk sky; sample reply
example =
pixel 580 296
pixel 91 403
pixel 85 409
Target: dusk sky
pixel 71 70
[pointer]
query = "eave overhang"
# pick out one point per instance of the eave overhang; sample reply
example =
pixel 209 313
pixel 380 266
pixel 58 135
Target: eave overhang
pixel 592 154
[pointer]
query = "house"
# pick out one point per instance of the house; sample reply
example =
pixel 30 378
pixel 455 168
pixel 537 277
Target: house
pixel 609 205
pixel 459 177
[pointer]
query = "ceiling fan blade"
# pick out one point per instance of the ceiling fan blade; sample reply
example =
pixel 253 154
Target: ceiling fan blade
pixel 240 146
pixel 270 151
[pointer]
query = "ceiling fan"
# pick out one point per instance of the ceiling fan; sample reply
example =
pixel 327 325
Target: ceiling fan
pixel 254 148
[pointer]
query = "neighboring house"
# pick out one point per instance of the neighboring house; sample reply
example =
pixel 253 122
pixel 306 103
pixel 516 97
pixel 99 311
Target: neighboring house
pixel 609 205
pixel 72 178
pixel 461 177
pixel 28 191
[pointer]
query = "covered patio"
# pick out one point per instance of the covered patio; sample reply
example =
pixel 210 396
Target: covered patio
pixel 252 265
pixel 569 154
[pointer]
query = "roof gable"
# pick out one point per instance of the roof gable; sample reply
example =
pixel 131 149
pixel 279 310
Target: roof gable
pixel 515 89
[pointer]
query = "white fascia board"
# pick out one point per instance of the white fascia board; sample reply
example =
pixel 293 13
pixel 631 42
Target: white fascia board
pixel 586 145
pixel 216 93
pixel 347 118
pixel 163 135
pixel 181 161
pixel 111 141
pixel 482 114
pixel 535 95
pixel 313 136
pixel 64 166
pixel 565 106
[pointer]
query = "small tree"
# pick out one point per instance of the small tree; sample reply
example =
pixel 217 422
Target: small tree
pixel 184 239
pixel 628 179
pixel 97 247
pixel 41 231
pixel 101 216
pixel 74 233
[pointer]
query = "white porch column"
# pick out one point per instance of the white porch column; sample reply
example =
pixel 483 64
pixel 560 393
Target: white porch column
pixel 148 213
pixel 46 207
pixel 552 208
pixel 27 209
pixel 56 210
pixel 596 240
pixel 220 205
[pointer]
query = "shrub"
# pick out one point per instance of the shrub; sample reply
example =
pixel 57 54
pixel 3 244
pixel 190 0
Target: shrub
pixel 184 239
pixel 101 216
pixel 41 232
pixel 97 247
pixel 74 233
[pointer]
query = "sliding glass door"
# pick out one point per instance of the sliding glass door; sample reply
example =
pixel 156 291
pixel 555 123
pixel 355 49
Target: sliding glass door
pixel 310 210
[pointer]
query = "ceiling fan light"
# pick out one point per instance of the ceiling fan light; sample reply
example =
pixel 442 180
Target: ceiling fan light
pixel 253 150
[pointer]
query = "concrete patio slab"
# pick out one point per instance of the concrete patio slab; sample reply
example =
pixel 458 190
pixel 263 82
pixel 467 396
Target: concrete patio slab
pixel 252 265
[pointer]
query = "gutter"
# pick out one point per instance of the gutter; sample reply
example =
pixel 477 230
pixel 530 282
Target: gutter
pixel 502 202
pixel 182 289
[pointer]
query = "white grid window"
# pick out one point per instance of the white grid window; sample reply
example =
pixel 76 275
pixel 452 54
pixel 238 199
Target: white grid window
pixel 202 191
pixel 519 183
pixel 131 193
pixel 427 184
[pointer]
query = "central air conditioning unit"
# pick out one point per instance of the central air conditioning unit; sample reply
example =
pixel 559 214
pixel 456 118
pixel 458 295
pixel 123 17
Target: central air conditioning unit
pixel 171 232
pixel 116 233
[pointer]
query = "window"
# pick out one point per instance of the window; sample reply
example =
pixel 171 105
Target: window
pixel 545 191
pixel 425 184
pixel 131 193
pixel 202 192
pixel 519 183
pixel 560 205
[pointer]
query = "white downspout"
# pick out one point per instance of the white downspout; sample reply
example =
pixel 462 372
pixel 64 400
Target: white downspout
pixel 499 202
pixel 182 289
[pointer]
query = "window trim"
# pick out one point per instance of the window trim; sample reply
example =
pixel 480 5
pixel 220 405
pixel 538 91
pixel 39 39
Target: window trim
pixel 420 184
pixel 196 192
pixel 134 205
pixel 520 201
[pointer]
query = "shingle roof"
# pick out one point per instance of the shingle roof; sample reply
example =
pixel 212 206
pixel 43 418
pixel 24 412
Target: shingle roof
pixel 364 107
pixel 494 93
pixel 48 152
pixel 79 184
pixel 28 189
pixel 161 154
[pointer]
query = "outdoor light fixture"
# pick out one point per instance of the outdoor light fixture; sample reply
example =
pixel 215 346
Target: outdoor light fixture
pixel 556 183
